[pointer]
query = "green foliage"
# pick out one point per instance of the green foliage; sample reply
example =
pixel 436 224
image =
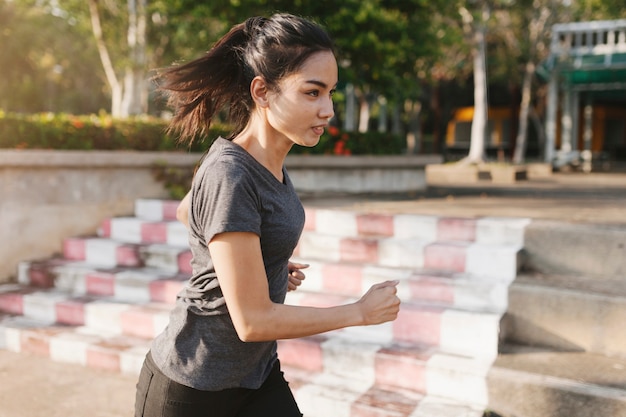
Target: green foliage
pixel 92 132
pixel 102 132
pixel 177 180
pixel 337 142
pixel 48 62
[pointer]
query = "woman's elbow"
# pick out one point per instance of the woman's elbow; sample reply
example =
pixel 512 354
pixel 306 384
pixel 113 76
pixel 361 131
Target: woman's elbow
pixel 252 331
pixel 182 215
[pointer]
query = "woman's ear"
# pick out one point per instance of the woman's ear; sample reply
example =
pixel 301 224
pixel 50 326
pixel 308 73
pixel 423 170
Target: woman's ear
pixel 258 91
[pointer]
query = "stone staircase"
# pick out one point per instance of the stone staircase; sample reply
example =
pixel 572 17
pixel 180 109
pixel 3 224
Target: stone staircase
pixel 101 302
pixel 563 338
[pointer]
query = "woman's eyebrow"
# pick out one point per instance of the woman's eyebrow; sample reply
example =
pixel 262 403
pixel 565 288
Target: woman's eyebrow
pixel 319 83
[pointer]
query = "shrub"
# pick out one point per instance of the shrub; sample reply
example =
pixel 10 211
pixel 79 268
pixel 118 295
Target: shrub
pixel 92 132
pixel 337 142
pixel 102 132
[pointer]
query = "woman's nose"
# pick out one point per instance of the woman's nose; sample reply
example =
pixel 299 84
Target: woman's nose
pixel 328 109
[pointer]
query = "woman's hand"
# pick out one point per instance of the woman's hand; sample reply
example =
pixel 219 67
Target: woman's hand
pixel 380 304
pixel 295 275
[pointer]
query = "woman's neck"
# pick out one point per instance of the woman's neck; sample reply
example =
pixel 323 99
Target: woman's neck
pixel 264 146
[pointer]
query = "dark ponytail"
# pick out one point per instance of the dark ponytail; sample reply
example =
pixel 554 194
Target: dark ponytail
pixel 268 47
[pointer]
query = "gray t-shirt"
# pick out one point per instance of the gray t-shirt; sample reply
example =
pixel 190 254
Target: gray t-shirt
pixel 231 192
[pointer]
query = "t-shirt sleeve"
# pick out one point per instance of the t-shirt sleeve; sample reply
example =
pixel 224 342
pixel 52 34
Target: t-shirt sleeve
pixel 224 199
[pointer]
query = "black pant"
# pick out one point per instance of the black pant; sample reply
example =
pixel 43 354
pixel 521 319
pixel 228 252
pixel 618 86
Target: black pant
pixel 159 396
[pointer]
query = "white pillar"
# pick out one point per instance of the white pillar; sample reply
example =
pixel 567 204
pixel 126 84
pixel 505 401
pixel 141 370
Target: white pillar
pixel 588 135
pixel 550 145
pixel 566 121
pixel 575 119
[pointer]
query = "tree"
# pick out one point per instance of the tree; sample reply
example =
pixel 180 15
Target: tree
pixel 129 91
pixel 475 30
pixel 49 64
pixel 539 17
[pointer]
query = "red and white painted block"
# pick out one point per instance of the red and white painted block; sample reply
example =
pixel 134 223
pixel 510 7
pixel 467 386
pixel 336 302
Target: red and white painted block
pixel 156 210
pixel 163 257
pixel 379 402
pixel 496 262
pixel 130 285
pixel 459 378
pixel 43 305
pixel 73 345
pixel 501 231
pixel 137 230
pixel 462 292
pixel 487 230
pixel 101 252
pixel 455 331
pixel 451 229
pixel 402 253
pixel 441 407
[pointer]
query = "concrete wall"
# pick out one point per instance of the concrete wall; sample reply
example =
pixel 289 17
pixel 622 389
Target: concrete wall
pixel 47 196
pixel 359 174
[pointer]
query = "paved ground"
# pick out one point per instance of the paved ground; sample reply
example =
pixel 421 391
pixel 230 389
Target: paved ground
pixel 31 386
pixel 34 387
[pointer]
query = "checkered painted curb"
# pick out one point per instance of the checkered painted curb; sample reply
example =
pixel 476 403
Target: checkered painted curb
pixel 396 376
pixel 139 285
pixel 108 253
pixel 101 304
pixel 344 223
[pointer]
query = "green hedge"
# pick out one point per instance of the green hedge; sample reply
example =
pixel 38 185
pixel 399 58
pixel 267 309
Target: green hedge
pixel 101 132
pixel 91 132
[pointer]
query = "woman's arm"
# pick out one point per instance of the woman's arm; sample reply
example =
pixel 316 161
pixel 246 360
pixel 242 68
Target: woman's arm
pixel 239 265
pixel 182 211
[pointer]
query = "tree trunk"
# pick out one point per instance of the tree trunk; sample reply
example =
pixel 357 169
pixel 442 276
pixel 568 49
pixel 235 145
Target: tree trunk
pixel 134 101
pixel 522 132
pixel 109 71
pixel 129 97
pixel 536 28
pixel 479 122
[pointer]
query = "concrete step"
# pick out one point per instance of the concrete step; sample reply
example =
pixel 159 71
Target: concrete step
pixel 145 284
pixel 526 382
pixel 323 395
pixel 106 315
pixel 567 313
pixel 353 223
pixel 140 285
pixel 450 289
pixel 496 262
pixel 455 331
pixel 109 253
pixel 138 230
pixel 454 244
pixel 425 370
pixel 110 294
pixel 461 332
pixel 355 367
pixel 73 344
pixel 594 251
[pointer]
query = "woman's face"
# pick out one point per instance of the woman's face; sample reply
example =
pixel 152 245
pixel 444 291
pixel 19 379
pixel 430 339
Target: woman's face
pixel 300 111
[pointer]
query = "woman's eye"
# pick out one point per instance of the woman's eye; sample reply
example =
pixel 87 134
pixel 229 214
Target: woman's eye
pixel 314 93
